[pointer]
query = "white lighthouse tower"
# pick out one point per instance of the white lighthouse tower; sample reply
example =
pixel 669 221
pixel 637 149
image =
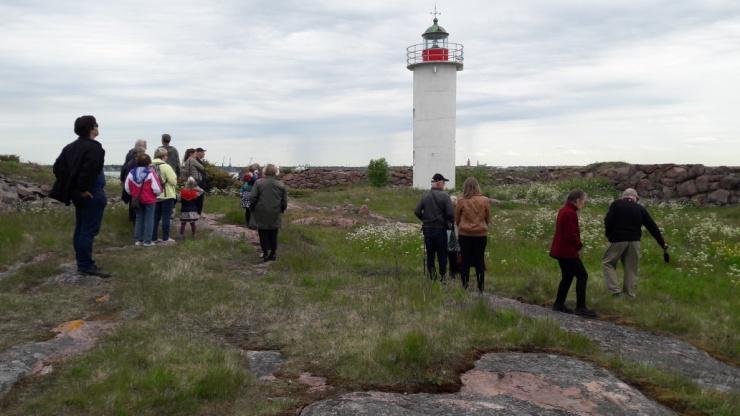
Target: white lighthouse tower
pixel 435 64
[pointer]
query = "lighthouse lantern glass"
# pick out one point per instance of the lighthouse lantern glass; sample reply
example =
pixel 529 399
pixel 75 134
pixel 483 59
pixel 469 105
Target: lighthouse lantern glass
pixel 435 43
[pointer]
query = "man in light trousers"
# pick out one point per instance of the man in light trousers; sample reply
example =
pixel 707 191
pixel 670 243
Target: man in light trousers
pixel 623 225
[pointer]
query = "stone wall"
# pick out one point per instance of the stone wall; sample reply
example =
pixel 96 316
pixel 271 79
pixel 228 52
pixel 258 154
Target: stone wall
pixel 316 178
pixel 697 183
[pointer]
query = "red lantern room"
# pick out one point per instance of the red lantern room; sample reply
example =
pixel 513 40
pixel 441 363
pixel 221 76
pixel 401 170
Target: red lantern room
pixel 435 49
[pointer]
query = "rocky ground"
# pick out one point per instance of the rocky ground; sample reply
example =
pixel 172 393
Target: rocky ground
pixel 663 352
pixel 508 384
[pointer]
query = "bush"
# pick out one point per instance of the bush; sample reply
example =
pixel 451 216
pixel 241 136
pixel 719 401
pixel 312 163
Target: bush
pixel 377 172
pixel 9 158
pixel 218 178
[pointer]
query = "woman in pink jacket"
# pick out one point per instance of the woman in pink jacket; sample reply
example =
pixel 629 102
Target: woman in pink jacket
pixel 143 185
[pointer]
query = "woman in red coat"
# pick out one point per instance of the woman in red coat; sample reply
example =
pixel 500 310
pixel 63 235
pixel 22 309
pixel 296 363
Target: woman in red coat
pixel 566 248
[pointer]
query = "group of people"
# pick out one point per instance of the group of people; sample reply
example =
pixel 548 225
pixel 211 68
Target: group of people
pixel 455 230
pixel 455 234
pixel 150 188
pixel 623 228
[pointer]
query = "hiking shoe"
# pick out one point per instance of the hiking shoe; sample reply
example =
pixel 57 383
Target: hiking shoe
pixel 585 312
pixel 95 272
pixel 562 308
pixel 617 295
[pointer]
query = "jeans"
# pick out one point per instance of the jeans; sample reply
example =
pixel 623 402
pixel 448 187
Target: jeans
pixel 570 268
pixel 163 213
pixel 473 254
pixel 88 217
pixel 435 241
pixel 144 223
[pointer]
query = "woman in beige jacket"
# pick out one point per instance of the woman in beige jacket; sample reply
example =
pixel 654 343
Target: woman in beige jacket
pixel 472 216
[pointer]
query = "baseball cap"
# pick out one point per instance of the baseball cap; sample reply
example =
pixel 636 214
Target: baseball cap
pixel 438 177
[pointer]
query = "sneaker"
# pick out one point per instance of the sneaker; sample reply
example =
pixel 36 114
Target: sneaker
pixel 562 308
pixel 138 243
pixel 157 241
pixel 272 257
pixel 168 241
pixel 585 312
pixel 149 244
pixel 96 271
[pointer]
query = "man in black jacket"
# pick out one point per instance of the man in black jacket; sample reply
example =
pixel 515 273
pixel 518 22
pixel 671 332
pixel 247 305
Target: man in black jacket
pixel 81 181
pixel 623 224
pixel 436 213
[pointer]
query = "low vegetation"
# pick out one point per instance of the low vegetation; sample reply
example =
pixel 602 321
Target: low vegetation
pixel 349 305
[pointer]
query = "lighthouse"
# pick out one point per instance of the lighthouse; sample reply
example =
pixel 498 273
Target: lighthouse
pixel 435 63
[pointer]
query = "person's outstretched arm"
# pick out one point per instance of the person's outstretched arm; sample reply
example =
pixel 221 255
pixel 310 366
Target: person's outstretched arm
pixel 652 227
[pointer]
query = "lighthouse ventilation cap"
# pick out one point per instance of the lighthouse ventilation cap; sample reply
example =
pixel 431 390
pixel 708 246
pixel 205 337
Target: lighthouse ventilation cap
pixel 438 177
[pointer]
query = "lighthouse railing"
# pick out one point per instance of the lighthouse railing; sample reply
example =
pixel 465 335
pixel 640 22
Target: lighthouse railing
pixel 419 53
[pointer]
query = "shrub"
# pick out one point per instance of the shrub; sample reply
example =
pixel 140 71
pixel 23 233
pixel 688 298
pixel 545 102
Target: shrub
pixel 377 172
pixel 10 158
pixel 218 178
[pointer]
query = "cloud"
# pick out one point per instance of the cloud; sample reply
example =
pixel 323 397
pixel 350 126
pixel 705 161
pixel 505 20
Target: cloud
pixel 325 82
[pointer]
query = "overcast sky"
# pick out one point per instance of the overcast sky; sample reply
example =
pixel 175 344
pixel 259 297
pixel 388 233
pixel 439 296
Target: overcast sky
pixel 545 82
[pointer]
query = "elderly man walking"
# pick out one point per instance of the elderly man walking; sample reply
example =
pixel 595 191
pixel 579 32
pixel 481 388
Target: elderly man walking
pixel 623 224
pixel 437 216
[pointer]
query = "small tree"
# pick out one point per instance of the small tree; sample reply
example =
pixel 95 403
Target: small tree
pixel 377 172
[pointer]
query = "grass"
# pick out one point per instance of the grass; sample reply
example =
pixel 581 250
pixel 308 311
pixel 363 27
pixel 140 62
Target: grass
pixel 342 308
pixel 32 172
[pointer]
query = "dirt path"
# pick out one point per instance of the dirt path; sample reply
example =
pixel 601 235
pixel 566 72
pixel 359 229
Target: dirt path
pixel 663 352
pixel 508 384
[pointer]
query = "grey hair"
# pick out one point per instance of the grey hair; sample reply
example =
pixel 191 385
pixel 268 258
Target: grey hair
pixel 140 143
pixel 160 152
pixel 630 193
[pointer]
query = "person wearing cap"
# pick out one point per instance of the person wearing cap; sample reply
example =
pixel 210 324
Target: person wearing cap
pixel 437 215
pixel 623 226
pixel 173 156
pixel 81 181
pixel 472 217
pixel 566 249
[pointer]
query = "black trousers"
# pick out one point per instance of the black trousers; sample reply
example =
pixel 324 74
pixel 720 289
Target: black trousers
pixel 268 241
pixel 247 214
pixel 435 241
pixel 570 268
pixel 199 202
pixel 473 254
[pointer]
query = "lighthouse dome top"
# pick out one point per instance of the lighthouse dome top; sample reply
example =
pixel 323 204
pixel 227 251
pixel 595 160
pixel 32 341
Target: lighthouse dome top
pixel 435 31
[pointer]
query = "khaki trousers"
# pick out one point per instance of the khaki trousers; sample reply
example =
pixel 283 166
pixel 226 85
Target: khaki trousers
pixel 629 253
